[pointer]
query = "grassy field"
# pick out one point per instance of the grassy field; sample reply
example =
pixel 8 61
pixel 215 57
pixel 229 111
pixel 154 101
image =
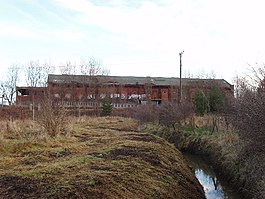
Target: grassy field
pixel 93 158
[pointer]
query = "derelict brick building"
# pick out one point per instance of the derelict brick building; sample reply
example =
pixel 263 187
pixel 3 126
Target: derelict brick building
pixel 123 91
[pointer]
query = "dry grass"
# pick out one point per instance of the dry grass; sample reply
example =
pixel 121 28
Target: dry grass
pixel 21 130
pixel 225 151
pixel 94 158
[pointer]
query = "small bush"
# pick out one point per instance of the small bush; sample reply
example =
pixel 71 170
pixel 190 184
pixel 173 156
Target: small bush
pixel 216 99
pixel 145 113
pixel 52 117
pixel 201 103
pixel 106 107
pixel 171 114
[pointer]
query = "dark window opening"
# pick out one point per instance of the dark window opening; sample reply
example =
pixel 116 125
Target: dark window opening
pixel 23 92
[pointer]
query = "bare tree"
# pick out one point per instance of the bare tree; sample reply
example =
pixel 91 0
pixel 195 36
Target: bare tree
pixel 33 71
pixel 92 67
pixel 68 69
pixel 256 76
pixel 187 74
pixel 8 86
pixel 37 73
pixel 47 68
pixel 2 91
pixel 201 74
pixel 240 85
pixel 211 75
pixel 96 76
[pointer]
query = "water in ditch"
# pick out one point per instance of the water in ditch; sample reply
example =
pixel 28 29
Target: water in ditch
pixel 214 187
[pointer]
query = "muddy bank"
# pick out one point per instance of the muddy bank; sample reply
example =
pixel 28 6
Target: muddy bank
pixel 222 151
pixel 104 158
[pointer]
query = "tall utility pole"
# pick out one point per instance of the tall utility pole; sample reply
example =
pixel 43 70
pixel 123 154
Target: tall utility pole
pixel 180 79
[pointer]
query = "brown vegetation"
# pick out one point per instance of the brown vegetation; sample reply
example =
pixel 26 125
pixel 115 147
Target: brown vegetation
pixel 95 158
pixel 172 114
pixel 246 113
pixel 52 117
pixel 13 113
pixel 223 150
pixel 237 149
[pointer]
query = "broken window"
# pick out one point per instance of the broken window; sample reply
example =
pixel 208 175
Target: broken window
pixel 23 92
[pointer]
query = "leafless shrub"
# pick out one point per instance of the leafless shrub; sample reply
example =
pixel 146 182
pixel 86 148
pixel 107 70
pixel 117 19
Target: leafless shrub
pixel 247 110
pixel 171 114
pixel 123 112
pixel 145 113
pixel 247 113
pixel 52 117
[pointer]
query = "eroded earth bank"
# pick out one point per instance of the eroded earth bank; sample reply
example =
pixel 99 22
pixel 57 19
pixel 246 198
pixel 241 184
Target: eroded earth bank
pixel 93 158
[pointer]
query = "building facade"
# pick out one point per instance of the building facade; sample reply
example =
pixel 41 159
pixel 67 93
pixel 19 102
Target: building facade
pixel 123 91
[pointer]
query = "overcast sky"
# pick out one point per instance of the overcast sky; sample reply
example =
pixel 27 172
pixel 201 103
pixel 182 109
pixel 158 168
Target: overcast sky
pixel 136 37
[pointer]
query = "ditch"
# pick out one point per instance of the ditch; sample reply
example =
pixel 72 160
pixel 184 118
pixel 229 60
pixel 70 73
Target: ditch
pixel 215 187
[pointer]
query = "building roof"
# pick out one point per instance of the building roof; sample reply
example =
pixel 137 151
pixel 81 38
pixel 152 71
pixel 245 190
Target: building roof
pixel 134 80
pixel 31 87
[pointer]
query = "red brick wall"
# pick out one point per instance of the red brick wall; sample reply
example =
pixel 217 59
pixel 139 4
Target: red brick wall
pixel 157 93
